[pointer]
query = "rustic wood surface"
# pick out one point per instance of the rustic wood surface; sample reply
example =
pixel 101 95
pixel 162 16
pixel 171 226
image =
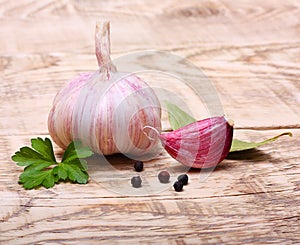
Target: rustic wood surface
pixel 251 52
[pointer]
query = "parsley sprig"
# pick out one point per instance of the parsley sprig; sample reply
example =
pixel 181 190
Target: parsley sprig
pixel 42 169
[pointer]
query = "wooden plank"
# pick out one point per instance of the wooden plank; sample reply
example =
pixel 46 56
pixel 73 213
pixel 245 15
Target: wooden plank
pixel 229 20
pixel 201 220
pixel 263 68
pixel 261 186
pixel 250 52
pixel 20 88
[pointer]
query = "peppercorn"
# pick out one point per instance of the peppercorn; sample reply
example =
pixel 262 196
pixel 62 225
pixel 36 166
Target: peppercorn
pixel 183 178
pixel 138 166
pixel 178 186
pixel 164 176
pixel 136 181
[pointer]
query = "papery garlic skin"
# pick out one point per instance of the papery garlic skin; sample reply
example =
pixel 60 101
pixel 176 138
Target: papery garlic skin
pixel 114 124
pixel 60 116
pixel 202 144
pixel 106 110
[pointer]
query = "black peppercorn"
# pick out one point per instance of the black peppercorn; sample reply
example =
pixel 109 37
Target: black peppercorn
pixel 178 186
pixel 164 176
pixel 138 166
pixel 136 181
pixel 183 178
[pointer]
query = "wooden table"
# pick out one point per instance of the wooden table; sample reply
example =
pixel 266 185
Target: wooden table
pixel 250 50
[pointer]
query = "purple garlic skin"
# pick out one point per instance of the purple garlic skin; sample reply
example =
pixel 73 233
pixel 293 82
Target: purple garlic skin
pixel 107 110
pixel 202 144
pixel 60 116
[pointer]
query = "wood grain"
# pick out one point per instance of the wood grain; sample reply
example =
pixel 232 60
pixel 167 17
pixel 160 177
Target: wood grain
pixel 250 51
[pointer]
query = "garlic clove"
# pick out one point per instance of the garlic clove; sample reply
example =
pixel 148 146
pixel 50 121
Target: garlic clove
pixel 202 144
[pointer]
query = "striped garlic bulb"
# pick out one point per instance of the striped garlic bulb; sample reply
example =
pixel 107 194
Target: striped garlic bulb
pixel 106 110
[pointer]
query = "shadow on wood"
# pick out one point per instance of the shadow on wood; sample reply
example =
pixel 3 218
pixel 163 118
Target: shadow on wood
pixel 252 154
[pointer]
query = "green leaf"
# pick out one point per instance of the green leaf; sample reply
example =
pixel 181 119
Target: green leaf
pixel 49 180
pixel 77 175
pixel 75 172
pixel 55 170
pixel 75 150
pixel 32 179
pixel 55 174
pixel 38 166
pixel 83 152
pixel 83 164
pixel 27 156
pixel 26 175
pixel 39 159
pixel 62 172
pixel 177 117
pixel 44 147
pixel 41 151
pixel 238 145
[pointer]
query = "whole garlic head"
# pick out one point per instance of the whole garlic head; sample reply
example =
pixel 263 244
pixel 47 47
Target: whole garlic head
pixel 106 110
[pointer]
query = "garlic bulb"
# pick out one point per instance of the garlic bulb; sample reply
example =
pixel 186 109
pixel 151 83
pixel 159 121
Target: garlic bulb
pixel 202 144
pixel 106 110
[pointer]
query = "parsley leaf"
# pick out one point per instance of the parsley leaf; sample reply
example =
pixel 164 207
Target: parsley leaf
pixel 75 150
pixel 42 169
pixel 74 171
pixel 32 179
pixel 44 147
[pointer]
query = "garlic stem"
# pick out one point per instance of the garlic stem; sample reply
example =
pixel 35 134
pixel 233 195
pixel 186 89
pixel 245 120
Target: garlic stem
pixel 152 128
pixel 102 44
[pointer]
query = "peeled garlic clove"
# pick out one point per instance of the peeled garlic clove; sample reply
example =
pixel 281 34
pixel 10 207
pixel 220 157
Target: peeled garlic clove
pixel 107 110
pixel 202 144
